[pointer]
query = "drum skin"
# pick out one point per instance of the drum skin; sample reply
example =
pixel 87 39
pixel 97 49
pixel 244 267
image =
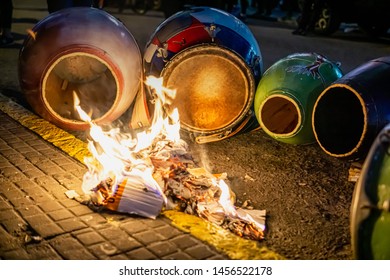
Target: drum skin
pixel 350 113
pixel 220 65
pixel 287 92
pixel 83 51
pixel 370 209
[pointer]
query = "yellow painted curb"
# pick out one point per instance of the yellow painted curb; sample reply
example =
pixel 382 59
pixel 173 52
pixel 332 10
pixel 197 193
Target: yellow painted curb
pixel 51 133
pixel 224 241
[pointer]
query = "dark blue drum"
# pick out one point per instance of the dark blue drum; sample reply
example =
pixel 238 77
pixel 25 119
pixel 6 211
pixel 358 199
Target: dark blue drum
pixel 214 62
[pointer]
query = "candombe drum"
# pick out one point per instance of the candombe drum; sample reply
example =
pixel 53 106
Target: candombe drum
pixel 287 92
pixel 83 52
pixel 370 209
pixel 350 113
pixel 214 63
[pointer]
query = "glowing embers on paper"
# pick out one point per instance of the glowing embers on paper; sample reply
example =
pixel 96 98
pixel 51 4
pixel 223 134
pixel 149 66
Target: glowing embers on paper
pixel 153 170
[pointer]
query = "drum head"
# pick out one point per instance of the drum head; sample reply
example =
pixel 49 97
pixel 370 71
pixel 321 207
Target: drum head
pixel 214 88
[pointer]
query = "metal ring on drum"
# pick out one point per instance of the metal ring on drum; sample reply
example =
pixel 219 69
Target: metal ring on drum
pixel 217 92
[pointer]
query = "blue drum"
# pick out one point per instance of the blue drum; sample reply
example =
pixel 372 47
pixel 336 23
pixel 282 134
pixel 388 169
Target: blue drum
pixel 214 62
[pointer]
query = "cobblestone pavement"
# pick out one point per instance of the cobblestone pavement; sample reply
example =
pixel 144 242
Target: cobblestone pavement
pixel 38 221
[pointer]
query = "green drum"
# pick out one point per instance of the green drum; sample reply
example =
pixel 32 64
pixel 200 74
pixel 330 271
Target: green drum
pixel 287 92
pixel 370 210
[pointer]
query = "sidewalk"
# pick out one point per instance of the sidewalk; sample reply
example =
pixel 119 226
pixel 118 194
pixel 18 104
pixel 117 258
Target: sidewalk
pixel 38 221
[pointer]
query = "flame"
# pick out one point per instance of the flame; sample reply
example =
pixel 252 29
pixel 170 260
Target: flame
pixel 119 155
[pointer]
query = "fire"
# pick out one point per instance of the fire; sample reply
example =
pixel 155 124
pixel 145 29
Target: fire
pixel 152 170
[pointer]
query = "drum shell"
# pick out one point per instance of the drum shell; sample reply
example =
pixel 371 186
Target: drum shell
pixel 287 92
pixel 350 113
pixel 86 37
pixel 203 27
pixel 370 213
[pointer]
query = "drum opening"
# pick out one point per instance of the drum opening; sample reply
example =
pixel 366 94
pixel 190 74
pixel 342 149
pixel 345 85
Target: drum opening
pixel 280 115
pixel 214 88
pixel 339 121
pixel 89 77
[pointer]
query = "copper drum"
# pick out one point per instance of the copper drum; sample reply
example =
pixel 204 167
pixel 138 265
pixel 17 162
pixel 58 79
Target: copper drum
pixel 84 51
pixel 213 61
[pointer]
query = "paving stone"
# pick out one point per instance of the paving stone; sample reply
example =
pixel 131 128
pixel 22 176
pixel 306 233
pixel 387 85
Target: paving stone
pixel 59 193
pixel 68 180
pixel 48 167
pixel 4 205
pixel 141 254
pixel 68 203
pixel 17 254
pixel 48 230
pixel 81 210
pixel 42 251
pixel 184 241
pixel 39 196
pixel 103 250
pixel 155 223
pixel 119 257
pixel 9 153
pixel 125 243
pixel 9 190
pixel 24 201
pixel 14 227
pixel 23 149
pixel 13 173
pixel 112 233
pixel 162 249
pixel 168 231
pixel 47 182
pixel 178 256
pixel 7 242
pixel 94 220
pixel 28 186
pixel 49 206
pixel 18 160
pixel 73 169
pixel 8 214
pixel 59 215
pixel 34 157
pixel 70 248
pixel 72 224
pixel 44 226
pixel 38 145
pixel 134 226
pixel 90 238
pixel 218 257
pixel 199 252
pixel 148 236
pixel 4 162
pixel 33 173
pixel 80 254
pixel 29 210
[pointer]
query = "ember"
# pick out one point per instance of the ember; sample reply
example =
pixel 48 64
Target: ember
pixel 142 175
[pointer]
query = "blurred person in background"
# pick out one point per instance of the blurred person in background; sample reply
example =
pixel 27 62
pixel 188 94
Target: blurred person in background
pixel 309 14
pixel 6 11
pixel 231 4
pixel 55 5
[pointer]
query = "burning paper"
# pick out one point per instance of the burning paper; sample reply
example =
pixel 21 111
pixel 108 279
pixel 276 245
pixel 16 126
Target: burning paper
pixel 152 170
